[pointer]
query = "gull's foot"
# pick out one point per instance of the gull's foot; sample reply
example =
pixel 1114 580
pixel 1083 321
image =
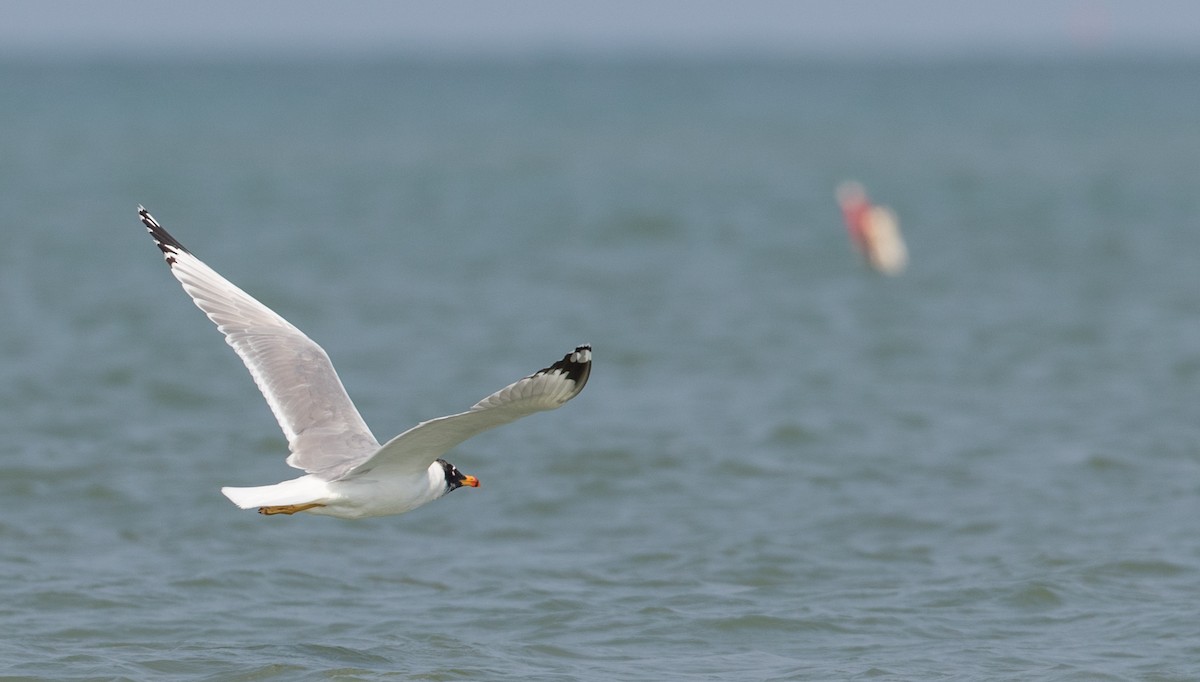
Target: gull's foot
pixel 288 509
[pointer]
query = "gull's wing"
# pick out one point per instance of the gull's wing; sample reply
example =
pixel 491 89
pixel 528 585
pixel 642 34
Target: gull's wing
pixel 415 449
pixel 325 433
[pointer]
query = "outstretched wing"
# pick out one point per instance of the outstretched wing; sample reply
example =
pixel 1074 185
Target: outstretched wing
pixel 325 432
pixel 415 449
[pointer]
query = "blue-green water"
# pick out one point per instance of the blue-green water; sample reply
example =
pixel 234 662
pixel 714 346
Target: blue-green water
pixel 784 467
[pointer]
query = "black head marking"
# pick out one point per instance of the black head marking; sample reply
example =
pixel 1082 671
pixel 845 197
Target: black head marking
pixel 454 477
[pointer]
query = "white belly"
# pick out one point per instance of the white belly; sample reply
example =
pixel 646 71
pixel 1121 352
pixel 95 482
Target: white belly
pixel 367 496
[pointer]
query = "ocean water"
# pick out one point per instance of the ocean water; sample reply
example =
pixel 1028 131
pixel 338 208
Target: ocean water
pixel 784 467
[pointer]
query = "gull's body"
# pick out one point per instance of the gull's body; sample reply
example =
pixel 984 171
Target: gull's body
pixel 348 473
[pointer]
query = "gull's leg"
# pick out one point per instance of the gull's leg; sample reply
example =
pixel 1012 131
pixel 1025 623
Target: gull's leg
pixel 288 508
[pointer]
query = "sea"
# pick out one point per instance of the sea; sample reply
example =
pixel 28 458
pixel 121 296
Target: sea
pixel 785 466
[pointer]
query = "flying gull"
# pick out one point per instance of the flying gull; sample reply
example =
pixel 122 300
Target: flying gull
pixel 348 474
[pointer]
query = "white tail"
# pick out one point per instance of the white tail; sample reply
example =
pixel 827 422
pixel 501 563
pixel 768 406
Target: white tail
pixel 296 491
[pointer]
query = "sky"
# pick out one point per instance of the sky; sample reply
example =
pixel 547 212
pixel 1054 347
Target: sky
pixel 852 27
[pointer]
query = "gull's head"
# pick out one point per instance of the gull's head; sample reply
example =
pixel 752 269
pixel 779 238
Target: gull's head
pixel 455 478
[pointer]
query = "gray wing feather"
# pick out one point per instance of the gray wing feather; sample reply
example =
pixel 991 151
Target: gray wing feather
pixel 415 449
pixel 325 433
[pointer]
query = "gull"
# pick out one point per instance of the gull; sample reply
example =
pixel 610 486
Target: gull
pixel 348 474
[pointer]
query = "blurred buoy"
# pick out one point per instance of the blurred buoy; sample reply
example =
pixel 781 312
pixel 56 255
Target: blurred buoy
pixel 874 230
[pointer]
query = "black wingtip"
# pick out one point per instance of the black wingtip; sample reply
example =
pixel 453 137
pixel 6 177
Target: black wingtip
pixel 169 245
pixel 577 365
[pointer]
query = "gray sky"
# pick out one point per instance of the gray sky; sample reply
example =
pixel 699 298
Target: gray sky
pixel 842 26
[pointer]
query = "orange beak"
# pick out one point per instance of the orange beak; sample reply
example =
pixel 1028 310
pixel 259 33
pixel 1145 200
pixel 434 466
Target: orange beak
pixel 470 481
